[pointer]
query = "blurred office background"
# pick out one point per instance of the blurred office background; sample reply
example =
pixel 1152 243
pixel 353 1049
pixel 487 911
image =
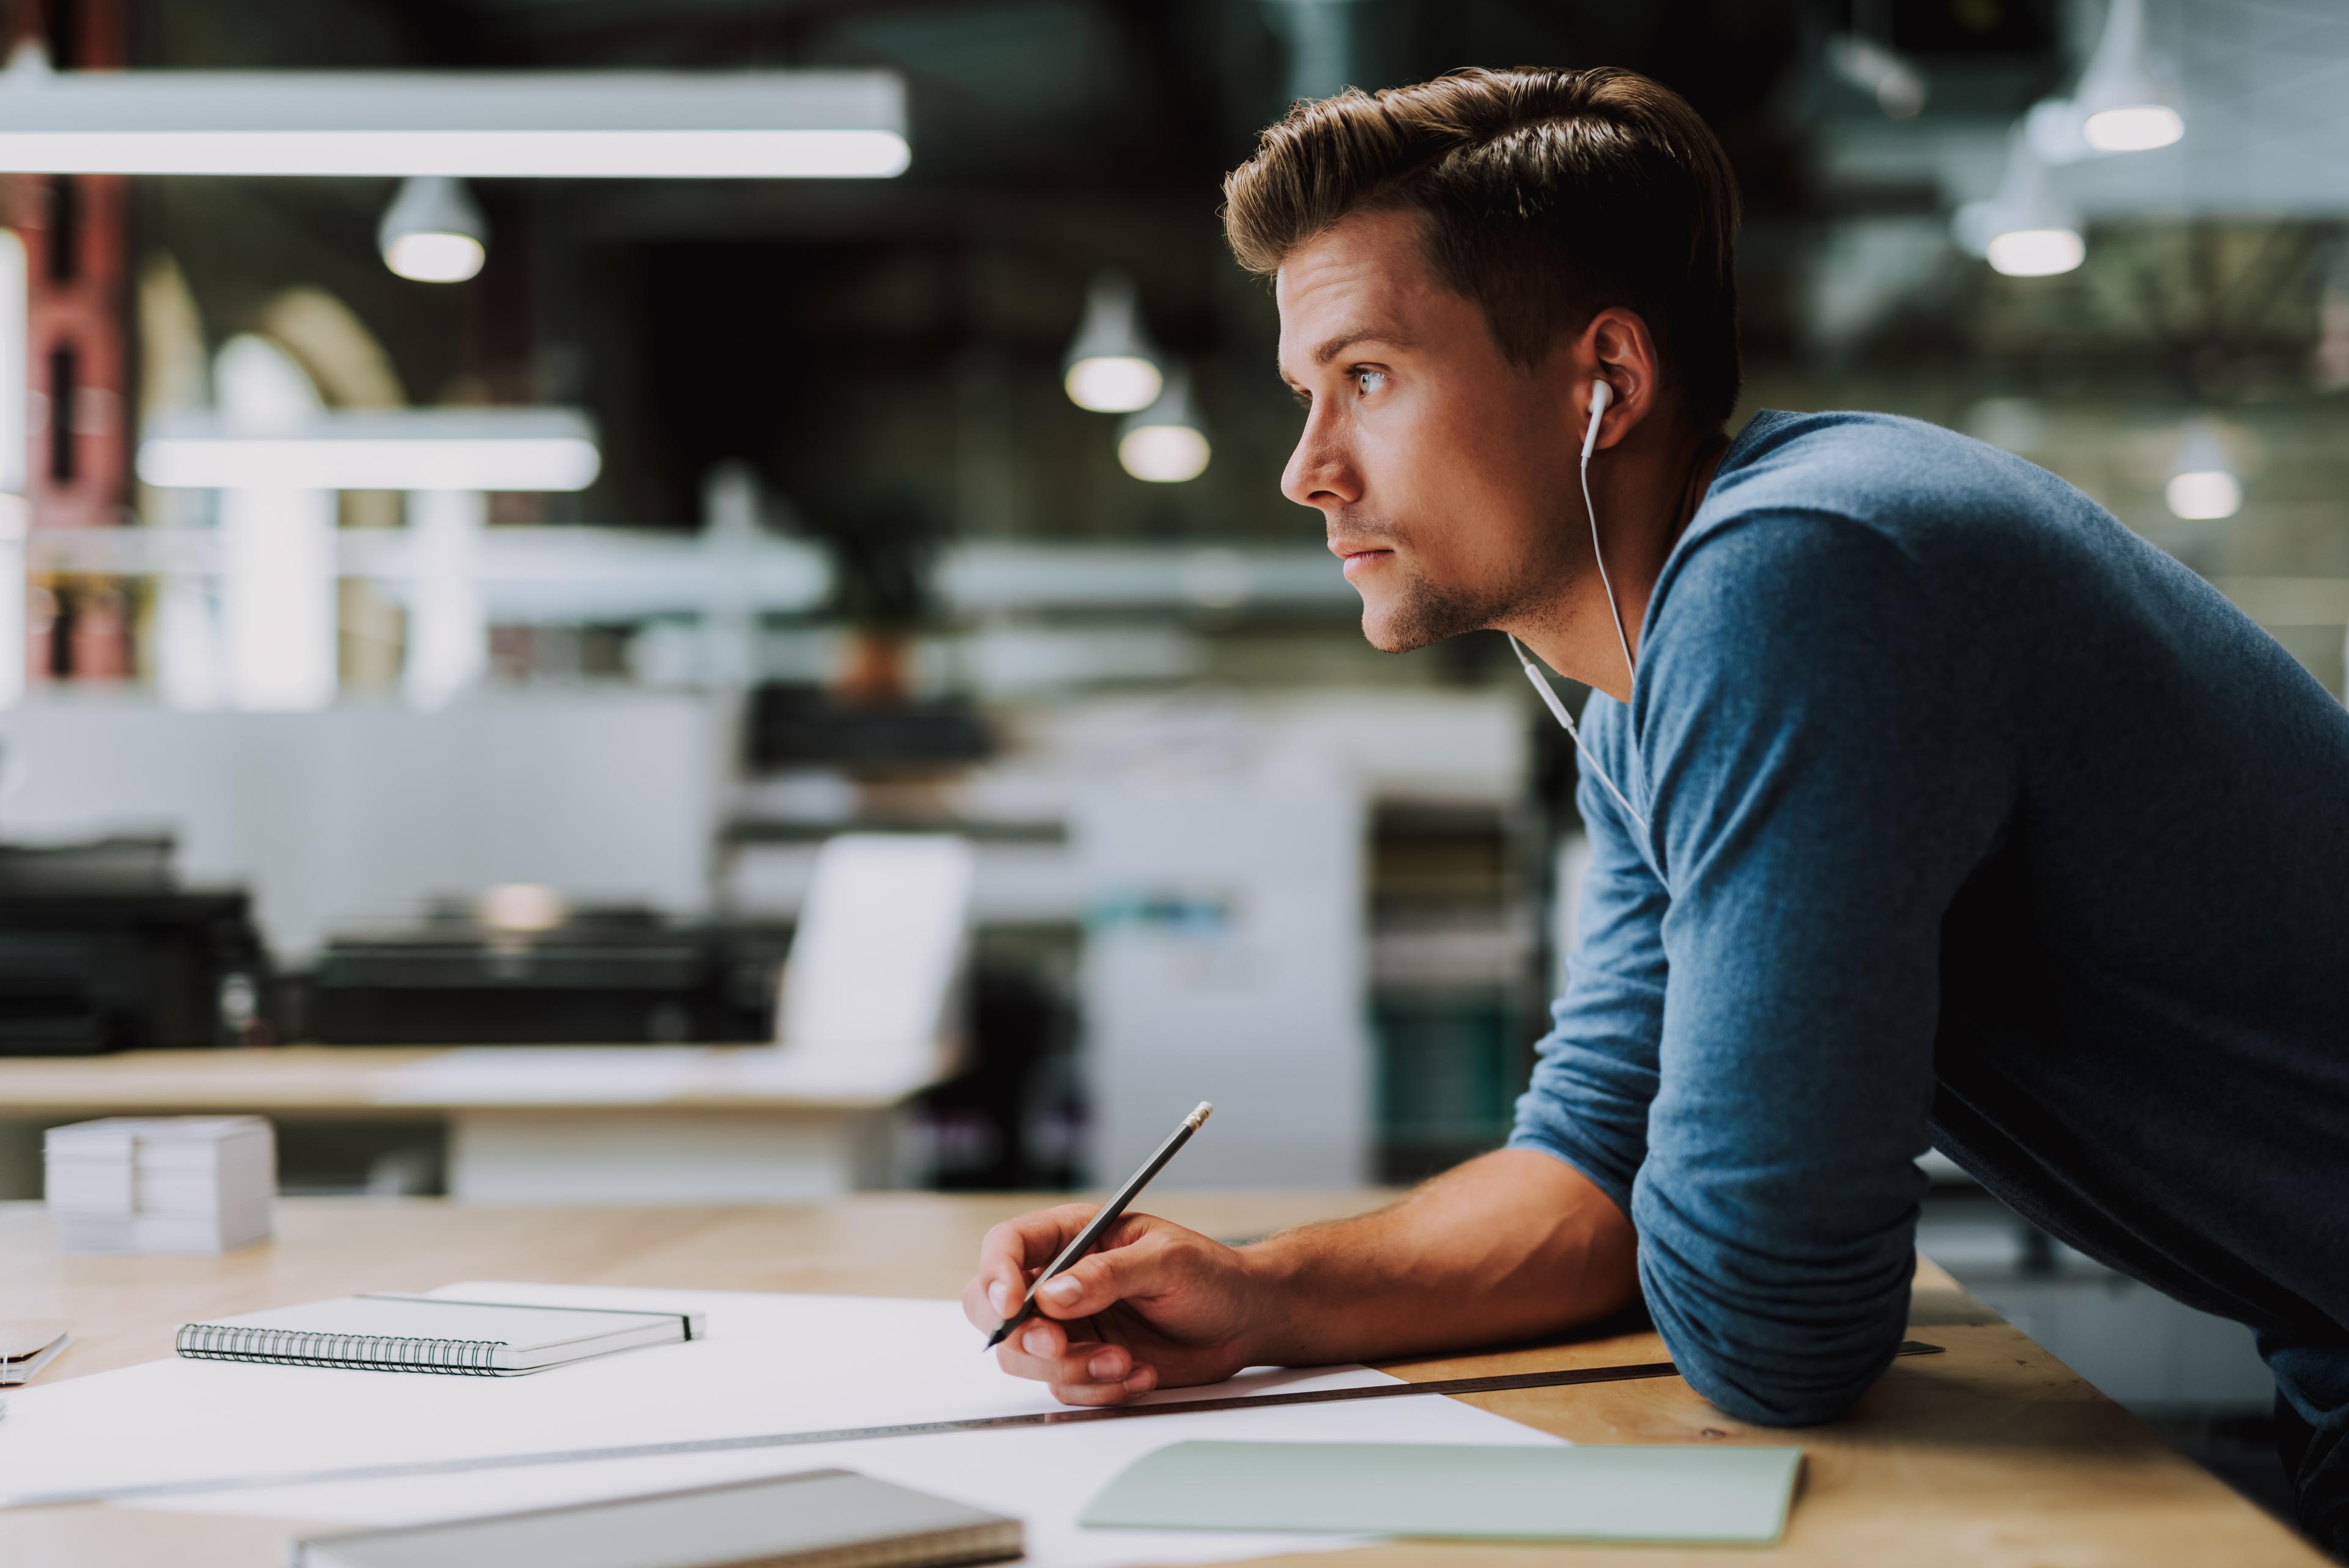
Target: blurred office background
pixel 461 611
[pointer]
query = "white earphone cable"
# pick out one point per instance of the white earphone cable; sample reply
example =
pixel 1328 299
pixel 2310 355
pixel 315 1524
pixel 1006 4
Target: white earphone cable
pixel 1601 394
pixel 1557 707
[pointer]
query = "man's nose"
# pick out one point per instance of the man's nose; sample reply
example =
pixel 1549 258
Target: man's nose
pixel 1320 474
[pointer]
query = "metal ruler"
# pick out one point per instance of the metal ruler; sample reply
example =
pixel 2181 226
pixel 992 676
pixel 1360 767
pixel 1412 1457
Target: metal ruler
pixel 1501 1383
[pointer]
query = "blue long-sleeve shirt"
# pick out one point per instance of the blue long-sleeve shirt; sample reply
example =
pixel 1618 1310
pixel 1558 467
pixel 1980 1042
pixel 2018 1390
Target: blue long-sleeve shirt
pixel 1976 822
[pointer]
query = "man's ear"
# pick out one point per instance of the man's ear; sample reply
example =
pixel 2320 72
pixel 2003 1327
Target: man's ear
pixel 1616 347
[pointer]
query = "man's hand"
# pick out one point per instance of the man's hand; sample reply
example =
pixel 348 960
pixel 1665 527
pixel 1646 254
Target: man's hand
pixel 1153 1305
pixel 1510 1245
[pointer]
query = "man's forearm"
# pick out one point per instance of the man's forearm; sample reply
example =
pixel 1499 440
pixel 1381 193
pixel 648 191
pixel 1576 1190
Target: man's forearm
pixel 1507 1246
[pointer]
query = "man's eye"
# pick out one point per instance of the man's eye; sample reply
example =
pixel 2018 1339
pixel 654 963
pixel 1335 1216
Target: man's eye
pixel 1366 381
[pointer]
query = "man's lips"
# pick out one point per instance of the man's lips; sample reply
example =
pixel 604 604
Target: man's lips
pixel 1357 554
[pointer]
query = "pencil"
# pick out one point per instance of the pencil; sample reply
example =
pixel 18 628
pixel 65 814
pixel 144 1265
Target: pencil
pixel 1109 1214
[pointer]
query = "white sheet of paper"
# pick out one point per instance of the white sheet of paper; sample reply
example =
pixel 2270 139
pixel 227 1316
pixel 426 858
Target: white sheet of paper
pixel 771 1362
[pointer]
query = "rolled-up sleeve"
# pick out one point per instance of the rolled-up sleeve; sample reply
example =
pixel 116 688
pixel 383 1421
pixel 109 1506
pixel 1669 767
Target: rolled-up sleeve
pixel 1822 787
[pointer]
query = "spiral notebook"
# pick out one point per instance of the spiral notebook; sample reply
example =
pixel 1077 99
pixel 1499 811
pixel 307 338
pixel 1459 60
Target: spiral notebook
pixel 430 1334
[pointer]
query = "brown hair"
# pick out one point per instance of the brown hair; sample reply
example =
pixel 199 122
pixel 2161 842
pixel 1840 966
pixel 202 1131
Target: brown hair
pixel 1551 194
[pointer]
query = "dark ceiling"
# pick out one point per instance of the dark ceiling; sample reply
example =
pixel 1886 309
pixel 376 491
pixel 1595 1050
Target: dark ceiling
pixel 892 347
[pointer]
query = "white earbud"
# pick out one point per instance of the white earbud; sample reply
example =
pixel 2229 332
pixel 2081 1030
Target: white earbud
pixel 1601 395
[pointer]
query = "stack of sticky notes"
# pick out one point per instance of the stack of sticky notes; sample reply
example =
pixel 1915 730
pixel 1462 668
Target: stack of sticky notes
pixel 161 1184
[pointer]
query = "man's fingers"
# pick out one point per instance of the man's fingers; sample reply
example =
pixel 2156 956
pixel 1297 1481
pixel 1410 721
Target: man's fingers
pixel 1016 1248
pixel 1034 1239
pixel 1089 1372
pixel 1094 1285
pixel 1141 1381
pixel 976 1307
pixel 1015 1252
pixel 1051 1358
pixel 1038 1337
pixel 988 1299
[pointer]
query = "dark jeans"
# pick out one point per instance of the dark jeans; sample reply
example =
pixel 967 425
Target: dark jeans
pixel 2313 1435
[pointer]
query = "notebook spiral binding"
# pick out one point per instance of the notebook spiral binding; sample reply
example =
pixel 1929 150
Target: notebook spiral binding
pixel 366 1352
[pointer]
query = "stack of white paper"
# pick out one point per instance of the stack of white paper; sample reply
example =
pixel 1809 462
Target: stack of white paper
pixel 163 1184
pixel 764 1363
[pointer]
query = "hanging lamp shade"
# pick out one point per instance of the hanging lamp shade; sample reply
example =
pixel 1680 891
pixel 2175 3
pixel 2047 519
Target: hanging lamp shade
pixel 1111 367
pixel 1167 442
pixel 2202 485
pixel 2122 109
pixel 2034 230
pixel 433 231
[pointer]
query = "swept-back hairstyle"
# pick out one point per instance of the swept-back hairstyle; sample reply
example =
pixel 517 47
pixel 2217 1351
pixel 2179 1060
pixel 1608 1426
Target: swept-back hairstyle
pixel 1550 195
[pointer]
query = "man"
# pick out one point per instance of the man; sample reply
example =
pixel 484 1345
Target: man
pixel 1928 807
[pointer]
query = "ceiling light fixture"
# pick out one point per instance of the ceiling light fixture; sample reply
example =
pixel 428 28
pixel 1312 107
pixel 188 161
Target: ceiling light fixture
pixel 433 231
pixel 2033 231
pixel 2036 253
pixel 2121 108
pixel 750 125
pixel 1111 367
pixel 1165 442
pixel 425 449
pixel 2202 483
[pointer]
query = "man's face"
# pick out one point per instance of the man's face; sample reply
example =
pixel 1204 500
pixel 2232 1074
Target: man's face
pixel 1443 472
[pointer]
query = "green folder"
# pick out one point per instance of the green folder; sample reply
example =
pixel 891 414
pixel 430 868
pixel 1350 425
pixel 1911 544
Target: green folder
pixel 1515 1492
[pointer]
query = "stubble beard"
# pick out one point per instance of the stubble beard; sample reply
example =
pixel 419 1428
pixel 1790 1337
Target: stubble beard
pixel 1424 613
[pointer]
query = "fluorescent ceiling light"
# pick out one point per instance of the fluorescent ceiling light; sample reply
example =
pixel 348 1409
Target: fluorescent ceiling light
pixel 544 124
pixel 433 231
pixel 488 155
pixel 1110 367
pixel 450 449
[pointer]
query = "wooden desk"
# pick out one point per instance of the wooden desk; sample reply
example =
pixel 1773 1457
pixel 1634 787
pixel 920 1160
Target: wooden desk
pixel 737 1124
pixel 1992 1455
